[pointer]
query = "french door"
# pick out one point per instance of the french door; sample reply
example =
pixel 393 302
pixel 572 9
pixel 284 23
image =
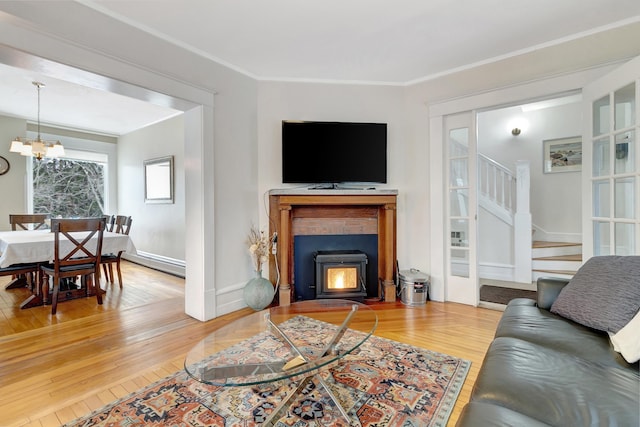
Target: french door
pixel 461 208
pixel 611 163
pixel 610 176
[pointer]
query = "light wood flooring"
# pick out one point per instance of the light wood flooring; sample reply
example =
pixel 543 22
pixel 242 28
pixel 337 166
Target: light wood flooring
pixel 55 369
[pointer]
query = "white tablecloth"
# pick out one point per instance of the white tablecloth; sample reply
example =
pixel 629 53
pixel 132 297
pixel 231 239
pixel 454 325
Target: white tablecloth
pixel 18 247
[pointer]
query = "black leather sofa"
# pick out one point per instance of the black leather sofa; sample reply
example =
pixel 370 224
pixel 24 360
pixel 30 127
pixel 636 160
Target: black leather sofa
pixel 545 370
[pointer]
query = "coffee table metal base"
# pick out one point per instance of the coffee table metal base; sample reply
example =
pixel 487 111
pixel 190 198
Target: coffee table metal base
pixel 288 360
pixel 273 417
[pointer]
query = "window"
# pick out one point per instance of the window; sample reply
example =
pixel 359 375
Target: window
pixel 73 186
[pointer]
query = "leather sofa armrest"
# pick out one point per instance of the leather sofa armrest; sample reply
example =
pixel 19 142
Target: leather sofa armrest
pixel 548 290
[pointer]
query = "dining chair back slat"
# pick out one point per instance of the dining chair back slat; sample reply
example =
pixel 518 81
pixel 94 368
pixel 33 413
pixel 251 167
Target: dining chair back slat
pixel 109 221
pixel 27 221
pixel 122 224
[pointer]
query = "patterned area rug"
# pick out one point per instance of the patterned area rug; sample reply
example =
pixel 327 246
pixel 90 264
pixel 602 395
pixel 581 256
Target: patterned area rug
pixel 383 383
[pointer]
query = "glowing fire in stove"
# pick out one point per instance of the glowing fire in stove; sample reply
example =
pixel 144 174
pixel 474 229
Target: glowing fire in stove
pixel 342 278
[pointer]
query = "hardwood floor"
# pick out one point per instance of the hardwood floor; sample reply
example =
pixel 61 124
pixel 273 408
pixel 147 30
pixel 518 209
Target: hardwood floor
pixel 55 369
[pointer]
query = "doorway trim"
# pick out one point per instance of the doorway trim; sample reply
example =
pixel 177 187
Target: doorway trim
pixel 497 98
pixel 197 105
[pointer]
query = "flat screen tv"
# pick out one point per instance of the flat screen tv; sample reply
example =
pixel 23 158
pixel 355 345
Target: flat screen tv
pixel 333 152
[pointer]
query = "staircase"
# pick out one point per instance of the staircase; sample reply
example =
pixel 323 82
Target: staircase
pixel 556 259
pixel 505 195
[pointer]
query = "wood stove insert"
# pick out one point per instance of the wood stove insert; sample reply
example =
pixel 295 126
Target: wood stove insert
pixel 341 274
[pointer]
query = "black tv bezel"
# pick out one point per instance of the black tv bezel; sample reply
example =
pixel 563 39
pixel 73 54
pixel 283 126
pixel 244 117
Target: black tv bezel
pixel 378 178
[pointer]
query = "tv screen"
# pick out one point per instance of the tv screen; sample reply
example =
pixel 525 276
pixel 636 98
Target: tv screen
pixel 333 152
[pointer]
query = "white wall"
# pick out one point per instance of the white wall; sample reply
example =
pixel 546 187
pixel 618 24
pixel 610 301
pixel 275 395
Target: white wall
pixel 158 230
pixel 13 183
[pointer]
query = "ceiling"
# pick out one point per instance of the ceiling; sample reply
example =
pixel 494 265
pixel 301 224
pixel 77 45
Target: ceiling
pixel 396 42
pixel 69 105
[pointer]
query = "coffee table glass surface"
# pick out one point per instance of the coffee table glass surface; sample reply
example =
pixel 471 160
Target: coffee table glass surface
pixel 281 342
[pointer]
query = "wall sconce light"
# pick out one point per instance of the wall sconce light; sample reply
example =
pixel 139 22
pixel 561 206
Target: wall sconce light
pixel 517 125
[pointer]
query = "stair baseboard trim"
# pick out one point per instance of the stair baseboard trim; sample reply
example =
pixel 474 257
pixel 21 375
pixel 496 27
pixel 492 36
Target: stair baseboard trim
pixel 549 236
pixel 503 272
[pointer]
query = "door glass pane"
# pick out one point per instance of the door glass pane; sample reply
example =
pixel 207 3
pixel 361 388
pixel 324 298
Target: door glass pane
pixel 459 199
pixel 601 238
pixel 460 233
pixel 624 199
pixel 601 157
pixel 625 152
pixel 458 173
pixel 458 142
pixel 460 263
pixel 459 247
pixel 601 198
pixel 625 106
pixel 624 239
pixel 601 116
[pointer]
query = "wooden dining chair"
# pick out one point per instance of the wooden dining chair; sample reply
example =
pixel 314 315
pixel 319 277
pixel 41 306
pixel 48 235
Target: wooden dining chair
pixel 27 221
pixel 23 275
pixel 75 255
pixel 122 225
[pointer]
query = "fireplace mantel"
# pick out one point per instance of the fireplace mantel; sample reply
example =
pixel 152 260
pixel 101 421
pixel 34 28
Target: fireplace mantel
pixel 304 211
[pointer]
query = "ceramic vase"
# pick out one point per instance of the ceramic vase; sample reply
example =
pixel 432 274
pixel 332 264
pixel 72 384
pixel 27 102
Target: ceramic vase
pixel 258 292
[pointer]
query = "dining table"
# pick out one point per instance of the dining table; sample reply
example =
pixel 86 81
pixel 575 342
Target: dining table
pixel 37 246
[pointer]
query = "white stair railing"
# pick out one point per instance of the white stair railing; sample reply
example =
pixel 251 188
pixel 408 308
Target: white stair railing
pixel 506 195
pixel 497 183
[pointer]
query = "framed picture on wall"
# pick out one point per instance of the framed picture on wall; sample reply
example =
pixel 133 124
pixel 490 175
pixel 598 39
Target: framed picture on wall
pixel 562 154
pixel 158 180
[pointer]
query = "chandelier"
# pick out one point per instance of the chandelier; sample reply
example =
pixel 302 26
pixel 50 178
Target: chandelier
pixel 37 148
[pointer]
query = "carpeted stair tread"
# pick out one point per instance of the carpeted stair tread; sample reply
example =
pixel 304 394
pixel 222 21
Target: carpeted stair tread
pixel 501 295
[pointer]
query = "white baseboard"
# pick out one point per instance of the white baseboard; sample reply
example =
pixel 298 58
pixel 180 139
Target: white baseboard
pixel 158 262
pixel 552 236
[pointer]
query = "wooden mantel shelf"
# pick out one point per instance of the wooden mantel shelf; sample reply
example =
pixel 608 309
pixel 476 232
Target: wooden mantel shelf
pixel 324 206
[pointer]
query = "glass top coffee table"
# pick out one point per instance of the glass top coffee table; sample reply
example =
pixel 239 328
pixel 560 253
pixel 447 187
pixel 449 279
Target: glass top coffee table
pixel 292 343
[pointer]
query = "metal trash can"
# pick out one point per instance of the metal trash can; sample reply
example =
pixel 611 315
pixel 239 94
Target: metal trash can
pixel 414 286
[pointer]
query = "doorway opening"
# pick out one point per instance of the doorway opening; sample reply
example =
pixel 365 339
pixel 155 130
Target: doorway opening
pixel 555 199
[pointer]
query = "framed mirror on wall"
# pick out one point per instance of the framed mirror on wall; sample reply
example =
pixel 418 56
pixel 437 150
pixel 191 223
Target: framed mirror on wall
pixel 158 180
